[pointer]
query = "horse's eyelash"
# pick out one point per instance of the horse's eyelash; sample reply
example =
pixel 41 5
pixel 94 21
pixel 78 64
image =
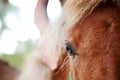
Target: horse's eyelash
pixel 69 49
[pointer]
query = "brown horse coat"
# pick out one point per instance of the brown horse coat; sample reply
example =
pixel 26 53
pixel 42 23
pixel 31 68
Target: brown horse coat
pixel 7 72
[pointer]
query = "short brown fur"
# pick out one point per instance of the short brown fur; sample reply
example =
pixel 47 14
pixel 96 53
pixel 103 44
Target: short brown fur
pixel 97 42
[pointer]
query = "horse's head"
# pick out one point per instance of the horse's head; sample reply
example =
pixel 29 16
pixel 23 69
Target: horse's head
pixel 89 31
pixel 93 42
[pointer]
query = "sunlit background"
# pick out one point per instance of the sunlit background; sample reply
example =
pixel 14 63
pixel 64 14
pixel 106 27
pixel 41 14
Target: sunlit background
pixel 18 34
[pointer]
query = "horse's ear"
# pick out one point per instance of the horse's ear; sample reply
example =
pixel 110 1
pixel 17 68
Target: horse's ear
pixel 41 17
pixel 7 71
pixel 47 52
pixel 41 21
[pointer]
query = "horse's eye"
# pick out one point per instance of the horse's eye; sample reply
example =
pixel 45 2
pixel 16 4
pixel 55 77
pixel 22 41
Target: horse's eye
pixel 69 48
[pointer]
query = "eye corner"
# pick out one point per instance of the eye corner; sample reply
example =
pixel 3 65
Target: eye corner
pixel 69 48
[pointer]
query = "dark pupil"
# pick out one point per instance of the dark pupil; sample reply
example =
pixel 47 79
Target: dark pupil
pixel 69 49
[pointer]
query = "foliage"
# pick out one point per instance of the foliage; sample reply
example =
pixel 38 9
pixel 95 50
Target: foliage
pixel 24 48
pixel 22 51
pixel 5 7
pixel 15 60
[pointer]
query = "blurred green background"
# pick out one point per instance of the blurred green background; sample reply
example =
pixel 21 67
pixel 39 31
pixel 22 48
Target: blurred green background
pixel 22 51
pixel 18 34
pixel 23 48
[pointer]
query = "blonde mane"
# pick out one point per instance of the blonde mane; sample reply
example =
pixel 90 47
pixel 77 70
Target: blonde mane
pixel 75 11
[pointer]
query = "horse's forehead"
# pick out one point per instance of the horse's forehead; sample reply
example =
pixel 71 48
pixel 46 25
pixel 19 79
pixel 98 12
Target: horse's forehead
pixel 104 19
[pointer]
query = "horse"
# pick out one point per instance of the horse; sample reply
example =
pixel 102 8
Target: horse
pixel 8 72
pixel 84 43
